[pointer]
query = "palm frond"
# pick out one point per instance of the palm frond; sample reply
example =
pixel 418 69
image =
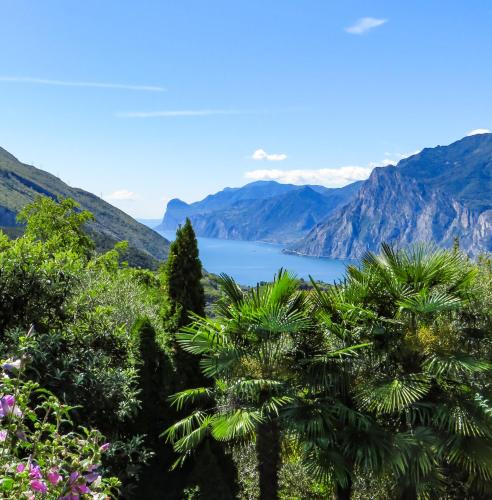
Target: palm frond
pixel 393 395
pixel 179 399
pixel 455 365
pixel 235 425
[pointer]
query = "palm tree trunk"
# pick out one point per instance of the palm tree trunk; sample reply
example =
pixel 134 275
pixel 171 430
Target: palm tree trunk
pixel 344 493
pixel 409 493
pixel 268 459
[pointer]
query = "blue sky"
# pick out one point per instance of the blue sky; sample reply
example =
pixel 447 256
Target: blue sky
pixel 142 101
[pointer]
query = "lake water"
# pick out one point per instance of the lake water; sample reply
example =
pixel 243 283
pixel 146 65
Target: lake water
pixel 251 261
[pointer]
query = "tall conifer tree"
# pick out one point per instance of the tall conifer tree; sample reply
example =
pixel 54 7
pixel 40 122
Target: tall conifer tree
pixel 183 274
pixel 212 469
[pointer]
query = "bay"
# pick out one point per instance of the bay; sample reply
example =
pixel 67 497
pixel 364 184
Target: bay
pixel 250 262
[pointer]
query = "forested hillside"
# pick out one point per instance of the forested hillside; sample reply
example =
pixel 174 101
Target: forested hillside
pixel 21 183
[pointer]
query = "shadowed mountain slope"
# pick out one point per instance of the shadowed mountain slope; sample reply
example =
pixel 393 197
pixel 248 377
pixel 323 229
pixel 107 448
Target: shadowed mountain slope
pixel 21 183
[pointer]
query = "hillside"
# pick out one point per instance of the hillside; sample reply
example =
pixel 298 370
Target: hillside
pixel 21 183
pixel 434 196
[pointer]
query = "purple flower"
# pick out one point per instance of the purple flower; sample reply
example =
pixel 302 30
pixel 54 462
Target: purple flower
pixel 91 477
pixel 12 366
pixel 53 476
pixel 21 435
pixel 8 406
pixel 104 447
pixel 3 435
pixel 38 485
pixel 74 476
pixel 35 472
pixel 20 468
pixel 82 488
pixel 92 473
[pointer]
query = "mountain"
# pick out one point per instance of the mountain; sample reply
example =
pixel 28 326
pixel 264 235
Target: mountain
pixel 21 183
pixel 263 210
pixel 177 210
pixel 462 169
pixel 434 196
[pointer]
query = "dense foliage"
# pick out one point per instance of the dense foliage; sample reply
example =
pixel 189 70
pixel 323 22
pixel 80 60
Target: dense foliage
pixel 383 380
pixel 129 384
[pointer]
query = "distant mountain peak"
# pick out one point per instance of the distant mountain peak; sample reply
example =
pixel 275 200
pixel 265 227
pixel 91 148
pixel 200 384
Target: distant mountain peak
pixel 261 210
pixel 433 196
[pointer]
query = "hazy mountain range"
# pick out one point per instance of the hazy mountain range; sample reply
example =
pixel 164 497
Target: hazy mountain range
pixel 20 183
pixel 262 210
pixel 434 196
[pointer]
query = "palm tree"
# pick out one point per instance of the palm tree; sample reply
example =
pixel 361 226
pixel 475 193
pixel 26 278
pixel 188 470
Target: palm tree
pixel 423 378
pixel 251 350
pixel 339 439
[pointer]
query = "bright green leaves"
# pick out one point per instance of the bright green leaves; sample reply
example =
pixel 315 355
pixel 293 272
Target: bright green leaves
pixel 60 225
pixel 455 365
pixel 389 396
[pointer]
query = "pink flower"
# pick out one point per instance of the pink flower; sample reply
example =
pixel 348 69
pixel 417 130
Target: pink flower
pixel 35 472
pixel 38 485
pixel 8 407
pixel 53 476
pixel 20 468
pixel 9 400
pixel 3 435
pixel 104 447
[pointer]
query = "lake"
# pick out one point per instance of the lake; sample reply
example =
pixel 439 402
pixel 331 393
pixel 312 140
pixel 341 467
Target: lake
pixel 251 261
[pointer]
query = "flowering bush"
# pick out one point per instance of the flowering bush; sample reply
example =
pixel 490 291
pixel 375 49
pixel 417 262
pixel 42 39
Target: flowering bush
pixel 40 454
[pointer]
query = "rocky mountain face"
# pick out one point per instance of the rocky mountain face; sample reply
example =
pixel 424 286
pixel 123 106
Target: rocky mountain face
pixel 21 183
pixel 434 196
pixel 262 211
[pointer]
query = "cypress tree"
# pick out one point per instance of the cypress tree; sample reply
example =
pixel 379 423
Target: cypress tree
pixel 154 381
pixel 183 274
pixel 211 469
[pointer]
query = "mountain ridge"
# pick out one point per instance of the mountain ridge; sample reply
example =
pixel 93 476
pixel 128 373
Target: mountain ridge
pixel 262 211
pixel 434 196
pixel 20 183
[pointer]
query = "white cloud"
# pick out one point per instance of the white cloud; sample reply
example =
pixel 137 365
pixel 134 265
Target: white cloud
pixel 261 154
pixel 365 24
pixel 122 195
pixel 393 158
pixel 182 112
pixel 67 83
pixel 478 131
pixel 331 177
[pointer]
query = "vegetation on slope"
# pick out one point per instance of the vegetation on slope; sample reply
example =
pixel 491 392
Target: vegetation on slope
pixel 20 184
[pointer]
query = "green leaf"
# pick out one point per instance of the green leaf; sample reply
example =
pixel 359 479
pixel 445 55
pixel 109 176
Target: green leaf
pixel 455 365
pixel 393 395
